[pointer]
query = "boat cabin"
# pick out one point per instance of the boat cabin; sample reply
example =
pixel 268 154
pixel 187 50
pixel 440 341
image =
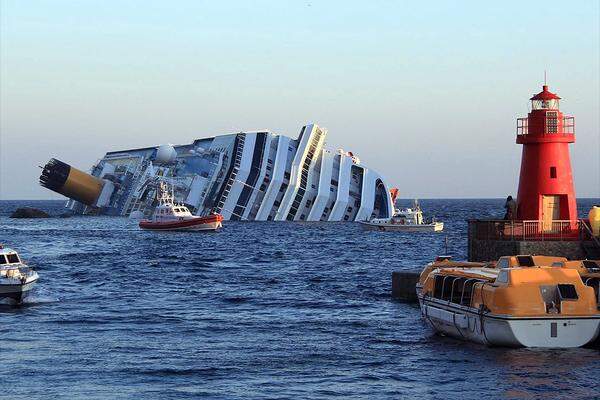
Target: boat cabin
pixel 10 264
pixel 408 216
pixel 171 211
pixel 8 257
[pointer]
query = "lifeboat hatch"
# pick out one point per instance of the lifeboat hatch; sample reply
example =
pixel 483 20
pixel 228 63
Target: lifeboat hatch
pixel 551 298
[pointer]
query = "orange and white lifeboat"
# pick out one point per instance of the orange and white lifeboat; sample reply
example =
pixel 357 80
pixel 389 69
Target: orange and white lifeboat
pixel 169 216
pixel 520 301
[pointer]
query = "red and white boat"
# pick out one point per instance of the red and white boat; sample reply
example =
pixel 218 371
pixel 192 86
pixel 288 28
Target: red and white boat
pixel 169 216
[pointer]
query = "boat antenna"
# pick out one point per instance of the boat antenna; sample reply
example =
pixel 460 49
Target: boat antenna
pixel 544 77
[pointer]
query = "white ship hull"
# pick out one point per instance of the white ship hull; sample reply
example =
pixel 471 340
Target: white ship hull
pixel 495 330
pixel 391 227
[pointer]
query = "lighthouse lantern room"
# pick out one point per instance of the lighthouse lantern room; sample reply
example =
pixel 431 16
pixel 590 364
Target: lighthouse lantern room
pixel 546 191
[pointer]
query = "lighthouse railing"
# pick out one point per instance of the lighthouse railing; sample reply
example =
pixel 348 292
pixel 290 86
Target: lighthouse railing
pixel 525 230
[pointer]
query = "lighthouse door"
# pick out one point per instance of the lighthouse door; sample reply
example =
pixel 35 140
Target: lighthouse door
pixel 550 211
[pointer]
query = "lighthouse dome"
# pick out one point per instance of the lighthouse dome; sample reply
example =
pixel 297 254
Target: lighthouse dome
pixel 545 100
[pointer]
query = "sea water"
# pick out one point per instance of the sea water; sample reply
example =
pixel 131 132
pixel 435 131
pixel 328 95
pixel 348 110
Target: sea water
pixel 258 310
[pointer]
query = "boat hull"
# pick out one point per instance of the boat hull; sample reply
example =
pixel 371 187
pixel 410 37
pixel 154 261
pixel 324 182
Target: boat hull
pixel 387 227
pixel 17 292
pixel 210 223
pixel 494 330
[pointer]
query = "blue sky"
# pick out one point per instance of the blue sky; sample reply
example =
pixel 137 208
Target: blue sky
pixel 426 93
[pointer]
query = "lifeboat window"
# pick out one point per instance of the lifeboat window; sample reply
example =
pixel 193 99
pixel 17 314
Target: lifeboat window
pixel 12 258
pixel 447 288
pixel 591 266
pixel 457 290
pixel 503 263
pixel 438 286
pixel 502 276
pixel 2 259
pixel 468 292
pixel 525 261
pixel 567 292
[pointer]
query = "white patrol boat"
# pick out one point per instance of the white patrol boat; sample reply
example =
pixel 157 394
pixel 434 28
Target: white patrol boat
pixel 16 278
pixel 405 220
pixel 170 216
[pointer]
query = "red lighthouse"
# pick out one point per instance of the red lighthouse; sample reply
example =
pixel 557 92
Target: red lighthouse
pixel 546 190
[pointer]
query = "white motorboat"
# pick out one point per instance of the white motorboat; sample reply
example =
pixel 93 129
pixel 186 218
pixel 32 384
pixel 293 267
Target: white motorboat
pixel 16 278
pixel 405 220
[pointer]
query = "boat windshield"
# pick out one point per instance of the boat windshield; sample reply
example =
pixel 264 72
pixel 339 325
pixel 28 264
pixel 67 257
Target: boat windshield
pixel 2 259
pixel 12 258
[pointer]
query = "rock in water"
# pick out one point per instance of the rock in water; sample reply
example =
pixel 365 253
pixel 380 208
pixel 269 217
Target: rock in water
pixel 28 212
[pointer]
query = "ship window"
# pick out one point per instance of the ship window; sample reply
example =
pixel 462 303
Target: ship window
pixel 2 259
pixel 553 172
pixel 346 217
pixel 12 258
pixel 567 292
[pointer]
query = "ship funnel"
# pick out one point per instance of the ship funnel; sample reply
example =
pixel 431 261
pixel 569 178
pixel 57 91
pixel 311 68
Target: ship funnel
pixel 71 182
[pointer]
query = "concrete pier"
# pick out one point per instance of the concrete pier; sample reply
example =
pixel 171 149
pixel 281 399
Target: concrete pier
pixel 489 240
pixel 404 285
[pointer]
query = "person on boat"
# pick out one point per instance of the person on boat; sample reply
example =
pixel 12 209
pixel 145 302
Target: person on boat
pixel 511 208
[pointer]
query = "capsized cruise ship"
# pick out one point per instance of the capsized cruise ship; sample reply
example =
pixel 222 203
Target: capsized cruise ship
pixel 242 176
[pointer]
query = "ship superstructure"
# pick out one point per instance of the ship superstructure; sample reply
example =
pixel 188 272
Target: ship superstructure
pixel 242 176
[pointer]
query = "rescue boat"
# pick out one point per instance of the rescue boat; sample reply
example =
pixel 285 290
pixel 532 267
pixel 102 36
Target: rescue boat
pixel 520 301
pixel 405 220
pixel 16 278
pixel 169 216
